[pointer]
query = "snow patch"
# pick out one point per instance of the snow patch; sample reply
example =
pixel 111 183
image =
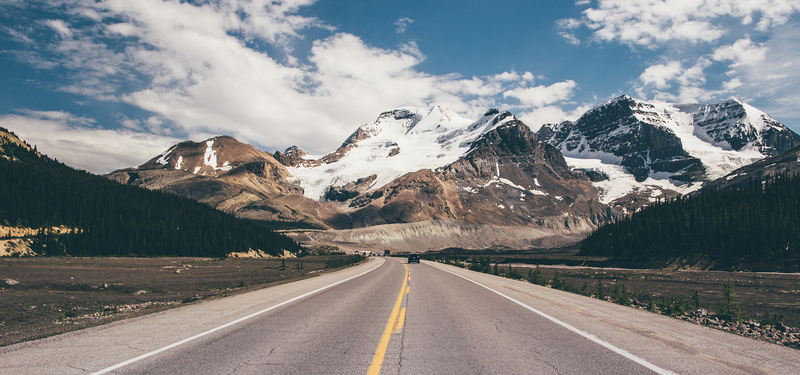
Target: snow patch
pixel 179 163
pixel 164 159
pixel 429 139
pixel 621 183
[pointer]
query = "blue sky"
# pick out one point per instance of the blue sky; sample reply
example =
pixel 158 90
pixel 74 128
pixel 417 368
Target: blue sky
pixel 108 84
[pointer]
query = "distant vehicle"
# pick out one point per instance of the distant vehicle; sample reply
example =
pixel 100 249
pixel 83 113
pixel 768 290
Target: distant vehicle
pixel 380 254
pixel 413 258
pixel 387 252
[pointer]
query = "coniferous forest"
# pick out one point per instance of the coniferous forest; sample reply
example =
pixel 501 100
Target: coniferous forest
pixel 111 219
pixel 752 226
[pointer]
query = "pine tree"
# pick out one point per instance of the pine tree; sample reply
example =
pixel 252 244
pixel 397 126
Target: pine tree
pixel 601 290
pixel 729 308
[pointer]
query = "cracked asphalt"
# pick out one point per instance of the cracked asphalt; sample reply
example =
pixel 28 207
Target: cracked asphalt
pixel 456 322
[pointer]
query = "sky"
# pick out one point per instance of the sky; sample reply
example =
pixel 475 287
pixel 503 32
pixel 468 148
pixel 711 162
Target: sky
pixel 107 84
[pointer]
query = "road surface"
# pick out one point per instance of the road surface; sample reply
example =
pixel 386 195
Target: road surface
pixel 389 317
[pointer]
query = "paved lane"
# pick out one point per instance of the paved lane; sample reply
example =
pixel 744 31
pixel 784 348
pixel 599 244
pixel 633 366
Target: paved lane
pixel 284 327
pixel 454 326
pixel 402 319
pixel 489 324
pixel 335 331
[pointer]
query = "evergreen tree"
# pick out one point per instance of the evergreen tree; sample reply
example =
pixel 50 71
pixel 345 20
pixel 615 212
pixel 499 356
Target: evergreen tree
pixel 696 299
pixel 729 308
pixel 601 290
pixel 111 219
pixel 557 282
pixel 754 225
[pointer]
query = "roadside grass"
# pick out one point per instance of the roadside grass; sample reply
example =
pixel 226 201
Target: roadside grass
pixel 44 296
pixel 740 301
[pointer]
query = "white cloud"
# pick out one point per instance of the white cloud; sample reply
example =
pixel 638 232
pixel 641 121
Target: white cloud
pixel 63 136
pixel 200 70
pixel 204 77
pixel 653 22
pixel 732 84
pixel 60 27
pixel 742 53
pixel 675 81
pixel 552 115
pixel 661 75
pixel 402 24
pixel 702 50
pixel 540 96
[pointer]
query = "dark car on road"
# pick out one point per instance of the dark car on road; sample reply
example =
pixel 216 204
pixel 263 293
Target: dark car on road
pixel 413 258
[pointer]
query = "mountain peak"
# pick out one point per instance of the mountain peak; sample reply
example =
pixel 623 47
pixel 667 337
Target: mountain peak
pixel 673 146
pixel 214 156
pixel 400 141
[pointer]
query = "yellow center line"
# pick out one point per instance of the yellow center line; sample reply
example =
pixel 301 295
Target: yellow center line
pixel 377 359
pixel 398 327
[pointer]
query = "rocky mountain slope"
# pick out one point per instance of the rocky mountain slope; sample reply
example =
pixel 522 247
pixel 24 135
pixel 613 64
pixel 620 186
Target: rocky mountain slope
pixel 77 213
pixel 637 151
pixel 227 174
pixel 429 178
pixel 409 166
pixel 785 163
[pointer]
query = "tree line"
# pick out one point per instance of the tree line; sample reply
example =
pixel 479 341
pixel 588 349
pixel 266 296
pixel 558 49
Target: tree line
pixel 111 219
pixel 755 225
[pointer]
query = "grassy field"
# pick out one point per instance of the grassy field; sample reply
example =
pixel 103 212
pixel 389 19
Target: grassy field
pixel 42 296
pixel 762 296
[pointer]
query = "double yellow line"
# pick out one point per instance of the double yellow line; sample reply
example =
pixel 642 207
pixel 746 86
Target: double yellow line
pixel 395 325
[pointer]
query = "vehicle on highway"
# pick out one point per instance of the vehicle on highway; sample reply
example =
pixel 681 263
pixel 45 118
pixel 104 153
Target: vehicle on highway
pixel 413 257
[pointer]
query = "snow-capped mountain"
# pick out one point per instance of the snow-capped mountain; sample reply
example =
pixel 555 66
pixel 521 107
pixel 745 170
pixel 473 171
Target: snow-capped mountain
pixel 462 178
pixel 212 157
pixel 430 178
pixel 504 179
pixel 400 141
pixel 224 173
pixel 785 163
pixel 634 148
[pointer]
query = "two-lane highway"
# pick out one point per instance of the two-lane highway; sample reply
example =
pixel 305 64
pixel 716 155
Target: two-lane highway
pixel 388 317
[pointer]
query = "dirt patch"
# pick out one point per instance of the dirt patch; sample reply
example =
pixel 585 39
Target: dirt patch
pixel 45 296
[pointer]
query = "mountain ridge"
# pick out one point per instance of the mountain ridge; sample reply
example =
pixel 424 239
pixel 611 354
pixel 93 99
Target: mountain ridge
pixel 665 149
pixel 414 165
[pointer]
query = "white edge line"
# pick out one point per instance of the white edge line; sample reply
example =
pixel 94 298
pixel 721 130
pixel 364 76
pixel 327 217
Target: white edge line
pixel 587 335
pixel 199 335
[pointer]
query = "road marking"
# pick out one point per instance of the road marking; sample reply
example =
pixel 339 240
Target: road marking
pixel 587 335
pixel 226 325
pixel 377 360
pixel 398 327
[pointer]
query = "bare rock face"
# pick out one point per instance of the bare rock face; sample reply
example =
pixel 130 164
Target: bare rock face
pixel 292 157
pixel 508 178
pixel 738 126
pixel 511 178
pixel 497 174
pixel 223 173
pixel 619 128
pixel 664 149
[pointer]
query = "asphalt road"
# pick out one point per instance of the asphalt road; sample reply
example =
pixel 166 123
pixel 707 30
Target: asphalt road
pixel 401 319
